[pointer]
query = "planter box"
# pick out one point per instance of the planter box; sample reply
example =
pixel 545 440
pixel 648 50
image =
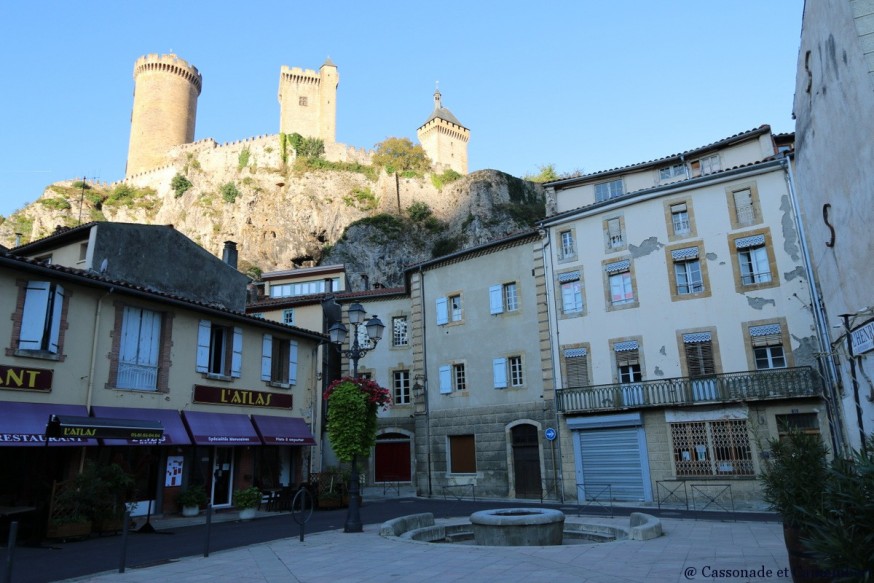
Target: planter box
pixel 190 511
pixel 247 513
pixel 69 530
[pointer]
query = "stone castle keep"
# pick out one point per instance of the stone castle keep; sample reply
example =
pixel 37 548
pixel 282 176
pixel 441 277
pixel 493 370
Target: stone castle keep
pixel 166 89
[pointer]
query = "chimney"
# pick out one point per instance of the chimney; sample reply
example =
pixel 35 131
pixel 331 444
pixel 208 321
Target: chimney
pixel 366 279
pixel 17 239
pixel 229 254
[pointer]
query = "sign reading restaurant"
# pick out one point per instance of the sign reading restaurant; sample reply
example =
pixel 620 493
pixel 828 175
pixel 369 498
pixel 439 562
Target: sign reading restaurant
pixel 250 398
pixel 25 379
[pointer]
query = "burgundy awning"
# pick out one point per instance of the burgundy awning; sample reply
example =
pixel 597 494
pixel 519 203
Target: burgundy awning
pixel 276 430
pixel 24 424
pixel 174 430
pixel 220 428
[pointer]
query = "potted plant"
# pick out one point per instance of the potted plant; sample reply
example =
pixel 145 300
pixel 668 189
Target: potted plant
pixel 70 510
pixel 111 485
pixel 794 482
pixel 247 501
pixel 331 488
pixel 191 499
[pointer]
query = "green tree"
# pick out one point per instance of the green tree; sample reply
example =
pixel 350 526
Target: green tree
pixel 546 173
pixel 401 155
pixel 180 184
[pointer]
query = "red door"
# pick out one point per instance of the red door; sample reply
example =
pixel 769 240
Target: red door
pixel 392 458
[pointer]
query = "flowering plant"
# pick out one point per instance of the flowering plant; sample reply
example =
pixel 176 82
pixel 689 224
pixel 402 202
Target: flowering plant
pixel 376 395
pixel 352 409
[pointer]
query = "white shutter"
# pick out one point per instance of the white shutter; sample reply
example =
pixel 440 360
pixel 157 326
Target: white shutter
pixel 130 336
pixel 33 320
pixel 55 332
pixel 445 379
pixel 150 339
pixel 292 362
pixel 442 312
pixel 499 368
pixel 204 333
pixel 266 357
pixel 237 358
pixel 496 301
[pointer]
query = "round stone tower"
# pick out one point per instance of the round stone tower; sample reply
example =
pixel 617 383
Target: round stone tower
pixel 166 89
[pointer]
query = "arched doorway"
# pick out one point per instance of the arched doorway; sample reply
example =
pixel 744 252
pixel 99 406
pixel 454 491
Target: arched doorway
pixel 526 461
pixel 392 453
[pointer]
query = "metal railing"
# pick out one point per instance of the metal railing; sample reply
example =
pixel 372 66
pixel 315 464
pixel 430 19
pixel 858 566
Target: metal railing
pixel 736 386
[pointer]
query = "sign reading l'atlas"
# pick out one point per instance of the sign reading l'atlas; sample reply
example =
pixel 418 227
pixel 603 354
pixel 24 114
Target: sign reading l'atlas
pixel 25 379
pixel 247 397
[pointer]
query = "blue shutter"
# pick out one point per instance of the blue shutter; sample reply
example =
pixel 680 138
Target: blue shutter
pixel 204 332
pixel 55 330
pixel 445 379
pixel 237 358
pixel 267 358
pixel 499 368
pixel 292 362
pixel 442 312
pixel 34 316
pixel 496 302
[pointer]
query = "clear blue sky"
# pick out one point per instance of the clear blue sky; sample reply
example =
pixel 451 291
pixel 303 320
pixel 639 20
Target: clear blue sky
pixel 580 84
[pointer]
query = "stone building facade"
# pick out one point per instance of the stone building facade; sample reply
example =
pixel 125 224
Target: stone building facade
pixel 835 182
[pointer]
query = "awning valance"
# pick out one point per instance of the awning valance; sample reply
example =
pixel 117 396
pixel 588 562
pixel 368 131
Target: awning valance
pixel 174 429
pixel 24 424
pixel 277 430
pixel 220 428
pixel 79 426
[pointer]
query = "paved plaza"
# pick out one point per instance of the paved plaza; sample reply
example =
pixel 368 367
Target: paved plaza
pixel 690 550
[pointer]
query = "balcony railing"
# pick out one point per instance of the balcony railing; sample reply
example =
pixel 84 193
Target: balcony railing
pixel 722 388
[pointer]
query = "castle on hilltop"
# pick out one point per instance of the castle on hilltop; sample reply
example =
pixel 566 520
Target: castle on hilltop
pixel 166 89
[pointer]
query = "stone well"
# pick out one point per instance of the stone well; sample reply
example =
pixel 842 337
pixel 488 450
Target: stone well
pixel 517 527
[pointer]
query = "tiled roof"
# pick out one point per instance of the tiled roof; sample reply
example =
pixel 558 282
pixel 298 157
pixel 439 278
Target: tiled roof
pixel 636 193
pixel 742 136
pixel 95 279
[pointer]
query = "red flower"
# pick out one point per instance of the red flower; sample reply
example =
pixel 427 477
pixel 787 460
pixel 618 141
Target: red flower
pixel 376 395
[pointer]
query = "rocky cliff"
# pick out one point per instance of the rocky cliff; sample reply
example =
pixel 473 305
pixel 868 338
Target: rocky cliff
pixel 297 213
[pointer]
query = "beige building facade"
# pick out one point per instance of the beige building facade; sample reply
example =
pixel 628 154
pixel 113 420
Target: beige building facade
pixel 234 394
pixel 682 334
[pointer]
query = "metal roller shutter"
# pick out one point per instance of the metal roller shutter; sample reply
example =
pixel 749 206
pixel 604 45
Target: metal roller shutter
pixel 612 456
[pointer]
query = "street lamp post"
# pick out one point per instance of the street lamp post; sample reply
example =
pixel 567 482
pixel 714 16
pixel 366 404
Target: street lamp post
pixel 338 332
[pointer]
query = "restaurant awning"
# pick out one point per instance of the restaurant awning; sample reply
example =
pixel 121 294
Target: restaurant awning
pixel 220 428
pixel 24 424
pixel 174 429
pixel 276 430
pixel 79 426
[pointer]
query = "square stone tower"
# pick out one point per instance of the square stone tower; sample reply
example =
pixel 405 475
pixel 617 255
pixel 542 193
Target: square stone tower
pixel 308 101
pixel 444 139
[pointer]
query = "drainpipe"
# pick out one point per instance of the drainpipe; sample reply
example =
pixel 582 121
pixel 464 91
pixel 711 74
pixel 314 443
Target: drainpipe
pixel 90 392
pixel 832 399
pixel 558 474
pixel 425 380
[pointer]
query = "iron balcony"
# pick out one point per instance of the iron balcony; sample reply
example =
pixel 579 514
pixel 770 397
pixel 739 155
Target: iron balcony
pixel 783 383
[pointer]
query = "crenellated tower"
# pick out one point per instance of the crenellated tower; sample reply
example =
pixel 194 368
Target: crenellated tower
pixel 443 138
pixel 308 101
pixel 166 89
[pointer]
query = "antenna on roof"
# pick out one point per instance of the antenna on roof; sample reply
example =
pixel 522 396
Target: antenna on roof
pixel 82 197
